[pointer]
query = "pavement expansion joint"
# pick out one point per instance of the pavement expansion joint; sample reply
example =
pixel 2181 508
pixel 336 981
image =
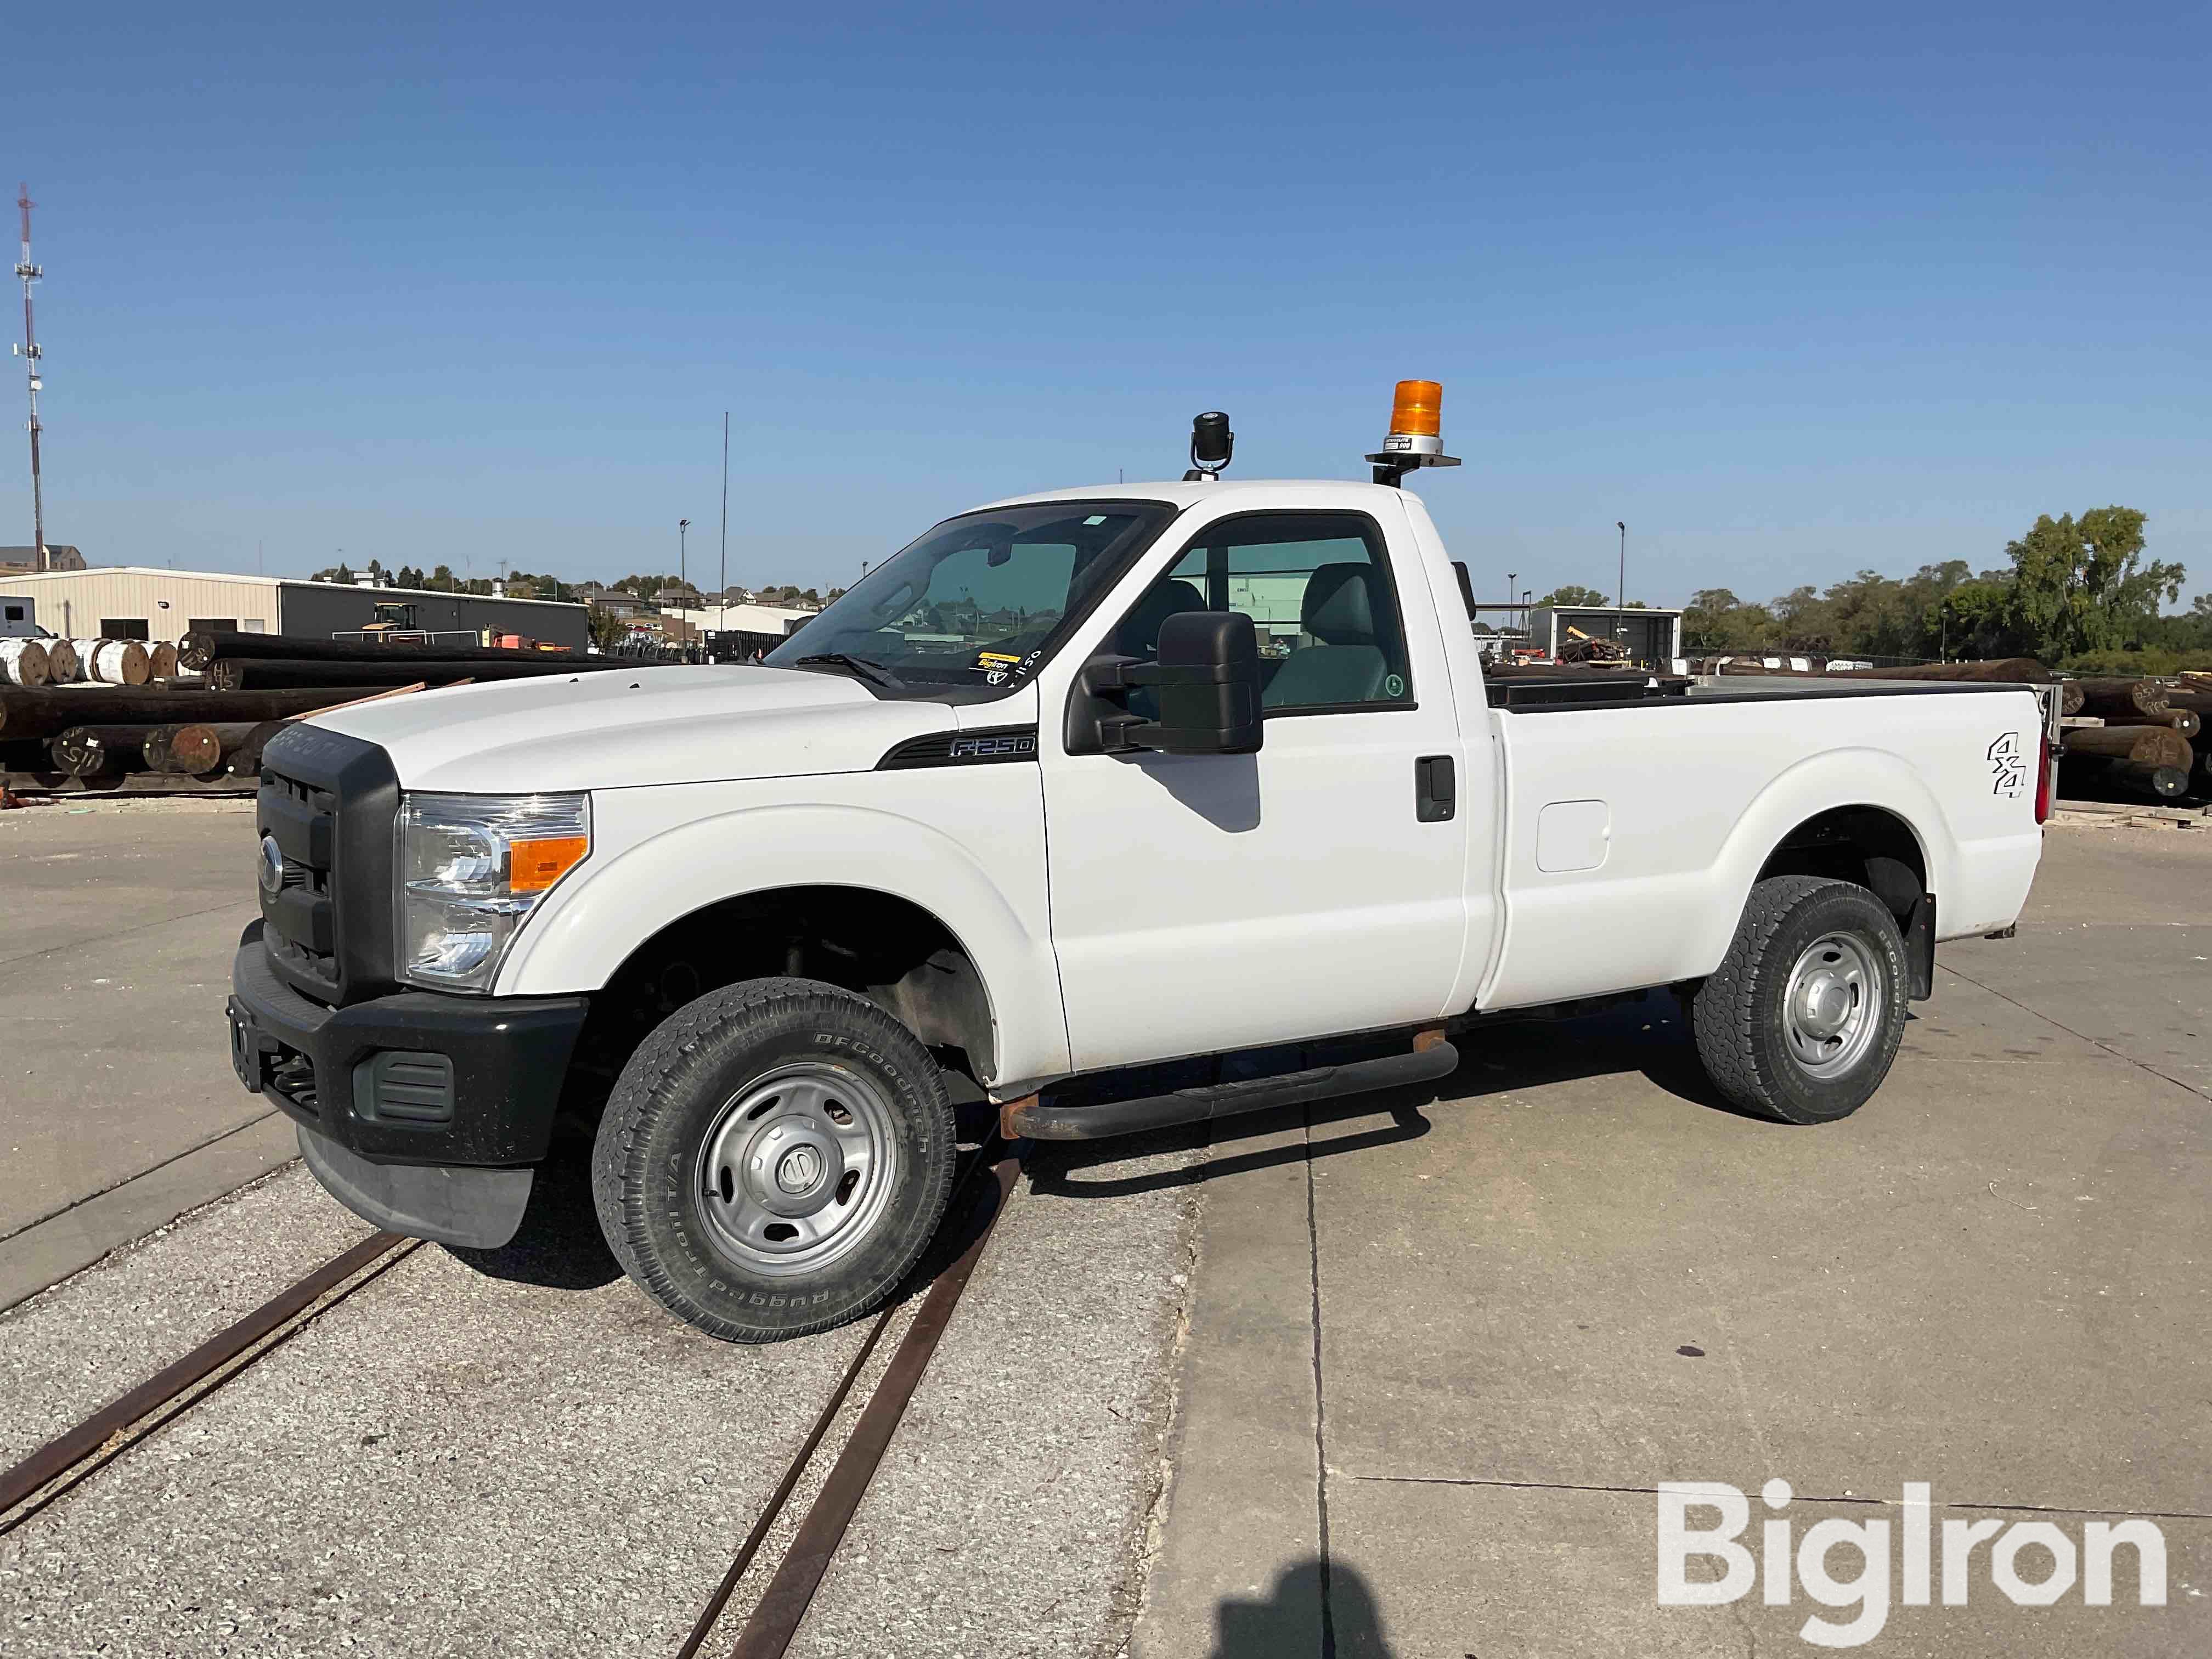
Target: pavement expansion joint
pixel 2083 1036
pixel 219 1136
pixel 1869 1501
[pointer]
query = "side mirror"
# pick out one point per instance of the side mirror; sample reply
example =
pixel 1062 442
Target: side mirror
pixel 1207 683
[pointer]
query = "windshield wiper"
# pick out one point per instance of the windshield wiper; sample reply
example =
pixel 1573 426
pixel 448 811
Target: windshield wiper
pixel 873 671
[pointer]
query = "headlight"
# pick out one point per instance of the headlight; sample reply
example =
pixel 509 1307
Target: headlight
pixel 471 867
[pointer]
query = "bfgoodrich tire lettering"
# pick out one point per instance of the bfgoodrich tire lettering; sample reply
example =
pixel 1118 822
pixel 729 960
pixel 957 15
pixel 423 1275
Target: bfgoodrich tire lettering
pixel 1819 1055
pixel 731 1132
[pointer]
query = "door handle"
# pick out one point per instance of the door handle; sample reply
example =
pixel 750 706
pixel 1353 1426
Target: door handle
pixel 1436 791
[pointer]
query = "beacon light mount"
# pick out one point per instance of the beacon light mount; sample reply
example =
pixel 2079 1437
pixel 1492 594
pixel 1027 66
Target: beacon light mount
pixel 1414 440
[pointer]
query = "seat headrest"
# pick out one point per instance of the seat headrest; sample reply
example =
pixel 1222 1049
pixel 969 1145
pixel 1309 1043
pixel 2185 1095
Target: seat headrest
pixel 1339 604
pixel 1139 635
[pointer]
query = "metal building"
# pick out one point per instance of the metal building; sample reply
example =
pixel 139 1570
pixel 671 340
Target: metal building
pixel 130 602
pixel 1653 637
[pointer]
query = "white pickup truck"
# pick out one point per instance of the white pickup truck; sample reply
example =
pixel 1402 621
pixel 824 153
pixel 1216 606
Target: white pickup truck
pixel 1136 805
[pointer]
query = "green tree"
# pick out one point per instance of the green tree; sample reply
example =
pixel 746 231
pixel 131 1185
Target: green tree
pixel 337 572
pixel 645 587
pixel 608 630
pixel 1716 620
pixel 1572 595
pixel 2081 586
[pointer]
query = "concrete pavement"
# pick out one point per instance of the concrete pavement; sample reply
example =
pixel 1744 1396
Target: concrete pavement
pixel 1440 1358
pixel 118 1109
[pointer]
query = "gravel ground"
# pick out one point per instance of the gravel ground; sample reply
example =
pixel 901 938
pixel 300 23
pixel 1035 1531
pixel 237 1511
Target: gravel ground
pixel 518 1454
pixel 450 1462
pixel 87 1340
pixel 1009 1516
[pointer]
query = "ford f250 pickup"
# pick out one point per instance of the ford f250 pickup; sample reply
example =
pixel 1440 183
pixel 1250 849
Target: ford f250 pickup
pixel 1136 805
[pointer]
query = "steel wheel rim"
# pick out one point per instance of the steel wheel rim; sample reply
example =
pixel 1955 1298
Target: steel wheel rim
pixel 1831 1011
pixel 796 1169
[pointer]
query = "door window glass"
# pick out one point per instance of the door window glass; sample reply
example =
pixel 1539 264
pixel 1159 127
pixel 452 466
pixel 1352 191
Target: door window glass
pixel 1317 587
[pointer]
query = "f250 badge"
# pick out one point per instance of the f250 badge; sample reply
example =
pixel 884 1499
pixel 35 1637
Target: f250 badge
pixel 2008 767
pixel 1014 745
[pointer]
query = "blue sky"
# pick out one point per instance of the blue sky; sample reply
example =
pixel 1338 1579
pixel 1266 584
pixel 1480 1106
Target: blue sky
pixel 1792 292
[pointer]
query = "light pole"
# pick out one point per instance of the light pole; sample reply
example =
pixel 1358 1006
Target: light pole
pixel 1620 594
pixel 1511 576
pixel 683 566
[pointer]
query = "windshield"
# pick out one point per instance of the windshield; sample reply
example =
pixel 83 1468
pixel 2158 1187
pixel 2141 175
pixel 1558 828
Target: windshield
pixel 980 600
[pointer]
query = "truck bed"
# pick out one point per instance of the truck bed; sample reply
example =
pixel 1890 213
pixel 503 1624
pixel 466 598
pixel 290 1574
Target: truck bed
pixel 1631 826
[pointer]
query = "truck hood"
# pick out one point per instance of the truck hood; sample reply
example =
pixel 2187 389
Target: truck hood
pixel 613 729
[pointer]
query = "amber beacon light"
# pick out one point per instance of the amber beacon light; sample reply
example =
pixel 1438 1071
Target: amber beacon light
pixel 1416 438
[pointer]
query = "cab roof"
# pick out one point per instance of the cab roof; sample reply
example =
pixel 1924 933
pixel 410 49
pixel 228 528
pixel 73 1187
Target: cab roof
pixel 1333 492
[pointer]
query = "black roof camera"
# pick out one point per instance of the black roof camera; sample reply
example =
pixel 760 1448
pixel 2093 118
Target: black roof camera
pixel 1212 443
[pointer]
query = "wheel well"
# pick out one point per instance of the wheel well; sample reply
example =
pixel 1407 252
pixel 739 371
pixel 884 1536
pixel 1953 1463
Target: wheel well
pixel 885 948
pixel 1863 844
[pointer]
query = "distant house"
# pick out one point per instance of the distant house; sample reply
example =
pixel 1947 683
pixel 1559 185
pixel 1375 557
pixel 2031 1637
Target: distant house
pixel 680 599
pixel 24 561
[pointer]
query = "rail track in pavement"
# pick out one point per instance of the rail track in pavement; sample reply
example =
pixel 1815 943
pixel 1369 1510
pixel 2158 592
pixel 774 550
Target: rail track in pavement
pixel 980 1195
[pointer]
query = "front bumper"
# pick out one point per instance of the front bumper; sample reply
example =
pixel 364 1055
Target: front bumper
pixel 420 1111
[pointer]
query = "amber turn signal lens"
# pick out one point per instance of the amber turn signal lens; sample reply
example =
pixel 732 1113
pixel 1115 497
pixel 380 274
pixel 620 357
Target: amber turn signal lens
pixel 1417 408
pixel 535 866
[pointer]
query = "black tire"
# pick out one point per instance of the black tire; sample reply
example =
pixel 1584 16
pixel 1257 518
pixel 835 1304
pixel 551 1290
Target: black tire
pixel 1753 1052
pixel 687 1082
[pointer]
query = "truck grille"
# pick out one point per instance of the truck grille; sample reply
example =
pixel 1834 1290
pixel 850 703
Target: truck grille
pixel 299 914
pixel 328 803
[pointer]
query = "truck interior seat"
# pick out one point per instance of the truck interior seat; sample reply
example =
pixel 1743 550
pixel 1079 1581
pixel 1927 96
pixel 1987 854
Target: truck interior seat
pixel 1139 635
pixel 1348 665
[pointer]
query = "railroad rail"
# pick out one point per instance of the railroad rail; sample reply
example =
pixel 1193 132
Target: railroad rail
pixel 981 1194
pixel 78 1452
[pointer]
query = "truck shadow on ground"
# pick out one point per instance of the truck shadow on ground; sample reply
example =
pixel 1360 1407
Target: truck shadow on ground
pixel 559 1245
pixel 1649 1037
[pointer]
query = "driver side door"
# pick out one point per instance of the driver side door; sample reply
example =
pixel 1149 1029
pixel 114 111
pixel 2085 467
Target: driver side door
pixel 1205 902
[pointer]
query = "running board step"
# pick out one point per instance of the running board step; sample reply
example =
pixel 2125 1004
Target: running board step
pixel 1033 1118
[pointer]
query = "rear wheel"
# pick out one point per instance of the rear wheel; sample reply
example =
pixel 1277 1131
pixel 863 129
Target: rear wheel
pixel 1802 1019
pixel 774 1160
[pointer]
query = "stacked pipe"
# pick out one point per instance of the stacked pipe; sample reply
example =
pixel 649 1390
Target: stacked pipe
pixel 270 662
pixel 102 732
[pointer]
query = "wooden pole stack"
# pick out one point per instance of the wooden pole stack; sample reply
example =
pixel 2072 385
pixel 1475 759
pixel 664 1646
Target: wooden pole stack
pixel 24 662
pixel 202 648
pixel 272 674
pixel 114 662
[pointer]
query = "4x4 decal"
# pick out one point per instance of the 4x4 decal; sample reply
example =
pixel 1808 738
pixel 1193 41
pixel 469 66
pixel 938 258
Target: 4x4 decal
pixel 2008 767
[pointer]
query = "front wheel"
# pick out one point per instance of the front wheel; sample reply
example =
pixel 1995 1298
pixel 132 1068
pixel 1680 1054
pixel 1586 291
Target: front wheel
pixel 1802 1020
pixel 774 1160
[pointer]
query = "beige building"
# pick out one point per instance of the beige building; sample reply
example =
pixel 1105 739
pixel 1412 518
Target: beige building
pixel 128 602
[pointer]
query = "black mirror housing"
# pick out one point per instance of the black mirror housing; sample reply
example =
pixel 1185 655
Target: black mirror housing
pixel 1207 686
pixel 1208 681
